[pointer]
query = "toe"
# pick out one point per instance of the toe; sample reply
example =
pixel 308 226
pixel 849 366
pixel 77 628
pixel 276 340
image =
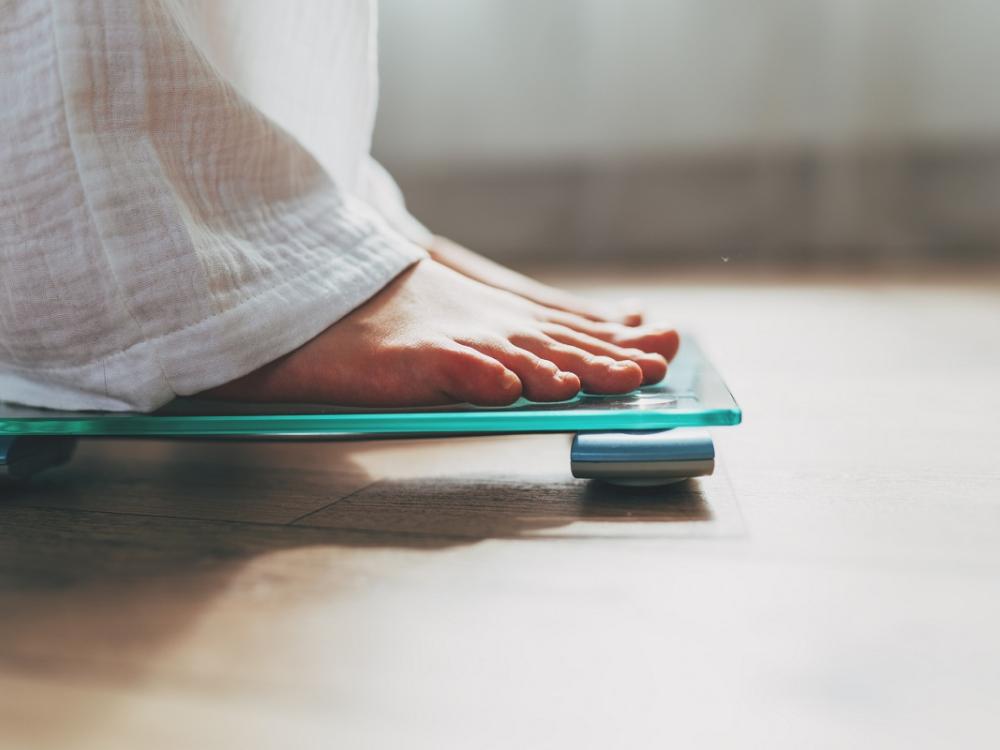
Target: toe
pixel 613 314
pixel 541 379
pixel 653 365
pixel 598 329
pixel 466 374
pixel 557 301
pixel 657 340
pixel 597 374
pixel 662 341
pixel 631 312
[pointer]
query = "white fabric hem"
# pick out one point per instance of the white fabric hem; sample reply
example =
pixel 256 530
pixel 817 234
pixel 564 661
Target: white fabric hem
pixel 242 338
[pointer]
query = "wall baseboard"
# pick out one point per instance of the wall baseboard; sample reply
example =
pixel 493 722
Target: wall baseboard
pixel 884 206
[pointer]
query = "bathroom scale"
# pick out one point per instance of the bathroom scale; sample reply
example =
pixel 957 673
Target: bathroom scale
pixel 651 435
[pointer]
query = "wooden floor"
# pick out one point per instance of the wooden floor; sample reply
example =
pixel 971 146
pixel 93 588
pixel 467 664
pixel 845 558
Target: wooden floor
pixel 835 584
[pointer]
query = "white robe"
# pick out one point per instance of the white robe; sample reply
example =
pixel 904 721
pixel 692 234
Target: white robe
pixel 186 192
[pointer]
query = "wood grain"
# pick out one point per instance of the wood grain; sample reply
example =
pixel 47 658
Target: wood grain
pixel 836 583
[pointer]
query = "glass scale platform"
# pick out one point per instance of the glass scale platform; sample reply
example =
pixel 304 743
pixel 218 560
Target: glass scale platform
pixel 633 438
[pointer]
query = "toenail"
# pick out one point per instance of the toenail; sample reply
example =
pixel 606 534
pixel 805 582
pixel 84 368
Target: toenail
pixel 509 380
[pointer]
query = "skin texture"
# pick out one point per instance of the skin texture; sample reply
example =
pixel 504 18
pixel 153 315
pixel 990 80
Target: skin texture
pixel 436 336
pixel 482 269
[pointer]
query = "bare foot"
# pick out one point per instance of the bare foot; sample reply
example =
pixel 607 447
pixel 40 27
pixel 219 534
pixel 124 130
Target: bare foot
pixel 435 336
pixel 482 269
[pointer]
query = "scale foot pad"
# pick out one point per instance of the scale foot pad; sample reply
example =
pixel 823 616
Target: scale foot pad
pixel 643 458
pixel 23 456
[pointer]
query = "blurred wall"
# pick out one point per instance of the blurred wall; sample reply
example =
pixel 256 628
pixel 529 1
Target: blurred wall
pixel 824 131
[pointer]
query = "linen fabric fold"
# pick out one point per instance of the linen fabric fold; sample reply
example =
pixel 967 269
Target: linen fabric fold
pixel 170 217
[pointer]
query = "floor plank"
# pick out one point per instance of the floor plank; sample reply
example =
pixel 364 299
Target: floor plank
pixel 263 482
pixel 556 506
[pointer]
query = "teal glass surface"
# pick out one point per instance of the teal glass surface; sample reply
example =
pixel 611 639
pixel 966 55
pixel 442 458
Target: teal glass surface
pixel 692 394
